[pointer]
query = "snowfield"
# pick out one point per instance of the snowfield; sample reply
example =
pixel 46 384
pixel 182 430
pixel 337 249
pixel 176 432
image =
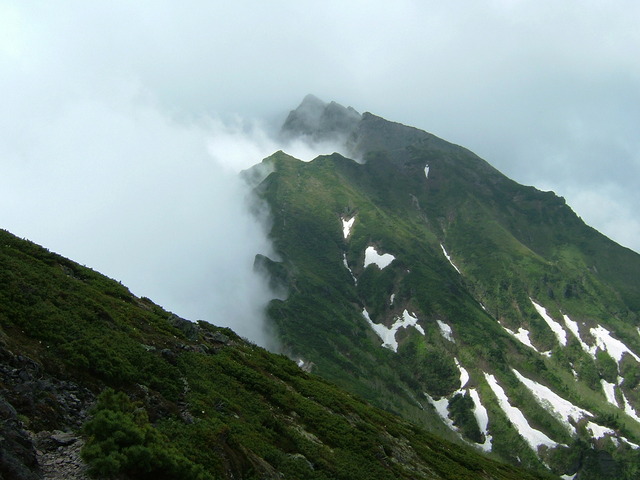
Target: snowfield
pixel 612 346
pixel 446 331
pixel 535 438
pixel 482 417
pixel 346 226
pixel 629 410
pixel 574 329
pixel 522 335
pixel 604 341
pixel 346 265
pixel 598 431
pixel 388 334
pixel 442 408
pixel 609 390
pixel 449 258
pixel 464 375
pixel 560 408
pixel 555 327
pixel 371 256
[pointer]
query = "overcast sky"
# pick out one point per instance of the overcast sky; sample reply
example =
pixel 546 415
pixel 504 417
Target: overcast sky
pixel 122 124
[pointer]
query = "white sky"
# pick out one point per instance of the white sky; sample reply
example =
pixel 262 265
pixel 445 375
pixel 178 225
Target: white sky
pixel 122 122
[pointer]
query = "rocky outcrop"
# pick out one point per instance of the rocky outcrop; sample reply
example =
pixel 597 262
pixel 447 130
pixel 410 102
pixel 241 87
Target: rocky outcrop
pixel 17 452
pixel 38 412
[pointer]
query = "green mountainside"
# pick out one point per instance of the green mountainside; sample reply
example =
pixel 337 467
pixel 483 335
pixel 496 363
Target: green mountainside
pixel 427 282
pixel 87 367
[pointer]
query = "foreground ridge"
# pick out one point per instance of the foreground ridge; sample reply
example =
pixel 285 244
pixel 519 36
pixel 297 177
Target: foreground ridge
pixel 142 393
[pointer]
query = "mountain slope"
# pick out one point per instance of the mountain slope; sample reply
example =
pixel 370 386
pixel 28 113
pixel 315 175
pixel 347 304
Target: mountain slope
pixel 434 286
pixel 156 396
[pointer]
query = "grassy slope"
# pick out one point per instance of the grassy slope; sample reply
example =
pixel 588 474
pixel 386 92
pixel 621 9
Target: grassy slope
pixel 512 242
pixel 229 408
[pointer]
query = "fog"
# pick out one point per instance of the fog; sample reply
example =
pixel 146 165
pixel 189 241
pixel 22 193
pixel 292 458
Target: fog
pixel 123 125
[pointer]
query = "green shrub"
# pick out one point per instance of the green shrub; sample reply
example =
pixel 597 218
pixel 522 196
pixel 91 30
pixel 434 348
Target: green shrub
pixel 123 442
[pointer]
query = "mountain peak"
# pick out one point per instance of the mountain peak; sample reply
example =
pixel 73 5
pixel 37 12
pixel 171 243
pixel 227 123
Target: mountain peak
pixel 361 134
pixel 320 121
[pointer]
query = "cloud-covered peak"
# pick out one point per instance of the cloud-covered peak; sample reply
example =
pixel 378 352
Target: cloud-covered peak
pixel 317 121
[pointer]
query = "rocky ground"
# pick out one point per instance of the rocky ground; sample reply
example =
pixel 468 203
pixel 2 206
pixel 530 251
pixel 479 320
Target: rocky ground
pixel 38 412
pixel 58 455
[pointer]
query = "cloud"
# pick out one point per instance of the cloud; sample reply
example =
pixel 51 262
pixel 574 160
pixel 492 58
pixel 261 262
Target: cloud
pixel 615 217
pixel 123 123
pixel 97 166
pixel 110 180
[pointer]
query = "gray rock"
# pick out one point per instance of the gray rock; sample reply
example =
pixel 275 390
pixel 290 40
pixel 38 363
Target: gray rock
pixel 17 452
pixel 219 337
pixel 64 438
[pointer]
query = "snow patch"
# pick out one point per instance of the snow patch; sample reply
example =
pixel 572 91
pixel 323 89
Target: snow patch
pixel 482 417
pixel 613 346
pixel 442 408
pixel 535 438
pixel 609 392
pixel 426 171
pixel 388 334
pixel 573 328
pixel 449 258
pixel 555 327
pixel 598 431
pixel 417 327
pixel 560 408
pixel 446 331
pixel 464 375
pixel 346 226
pixel 568 477
pixel 629 410
pixel 392 298
pixel 522 336
pixel 371 256
pixel 346 265
pixel 604 341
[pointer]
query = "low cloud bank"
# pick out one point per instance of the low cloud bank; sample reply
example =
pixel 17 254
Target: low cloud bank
pixel 113 182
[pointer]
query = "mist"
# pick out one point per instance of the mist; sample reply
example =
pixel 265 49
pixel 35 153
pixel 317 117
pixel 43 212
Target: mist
pixel 116 185
pixel 123 125
pixel 105 175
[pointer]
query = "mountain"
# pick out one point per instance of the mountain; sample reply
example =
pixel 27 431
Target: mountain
pixel 93 377
pixel 425 281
